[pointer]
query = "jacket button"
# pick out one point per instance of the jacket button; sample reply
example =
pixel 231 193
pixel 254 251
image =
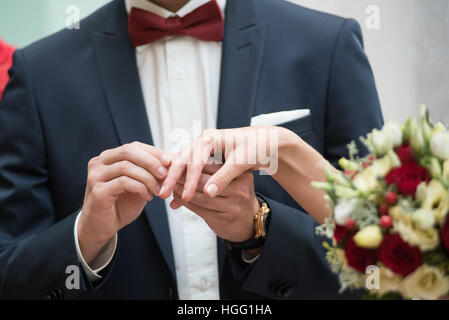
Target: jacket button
pixel 60 294
pixel 51 296
pixel 285 292
pixel 275 287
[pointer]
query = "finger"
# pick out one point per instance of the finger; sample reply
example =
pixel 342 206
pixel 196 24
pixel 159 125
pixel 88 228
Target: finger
pixel 161 155
pixel 208 171
pixel 204 201
pixel 202 212
pixel 177 168
pixel 200 155
pixel 174 205
pixel 129 169
pixel 136 155
pixel 211 168
pixel 201 183
pixel 239 185
pixel 114 188
pixel 223 177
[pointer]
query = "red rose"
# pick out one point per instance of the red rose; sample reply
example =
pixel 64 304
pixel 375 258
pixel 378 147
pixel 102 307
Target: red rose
pixel 398 255
pixel 359 258
pixel 340 233
pixel 407 177
pixel 404 153
pixel 445 234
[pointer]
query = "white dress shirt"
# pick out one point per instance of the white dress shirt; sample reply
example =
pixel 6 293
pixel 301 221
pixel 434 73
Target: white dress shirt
pixel 180 82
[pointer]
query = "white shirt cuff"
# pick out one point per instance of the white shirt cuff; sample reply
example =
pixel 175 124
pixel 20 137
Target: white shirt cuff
pixel 249 258
pixel 101 261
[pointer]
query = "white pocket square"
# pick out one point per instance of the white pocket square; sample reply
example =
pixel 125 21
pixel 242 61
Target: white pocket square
pixel 277 118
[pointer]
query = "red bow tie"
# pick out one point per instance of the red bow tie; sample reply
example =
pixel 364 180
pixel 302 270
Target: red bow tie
pixel 204 23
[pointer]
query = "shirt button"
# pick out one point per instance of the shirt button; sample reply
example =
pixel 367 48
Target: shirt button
pixel 181 74
pixel 203 285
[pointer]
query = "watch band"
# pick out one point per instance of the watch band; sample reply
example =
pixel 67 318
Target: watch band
pixel 246 245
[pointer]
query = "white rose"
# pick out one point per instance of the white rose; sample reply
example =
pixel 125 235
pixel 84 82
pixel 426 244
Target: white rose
pixel 408 230
pixel 367 180
pixel 446 171
pixel 425 283
pixel 393 131
pixel 435 198
pixel 439 144
pixel 381 142
pixel 421 192
pixel 388 282
pixel 442 210
pixel 344 209
pixel 425 240
pixel 424 218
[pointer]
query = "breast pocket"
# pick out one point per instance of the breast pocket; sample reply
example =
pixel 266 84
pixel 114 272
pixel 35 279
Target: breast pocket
pixel 302 127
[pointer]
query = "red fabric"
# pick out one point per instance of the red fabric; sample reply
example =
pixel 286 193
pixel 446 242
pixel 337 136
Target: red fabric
pixel 6 52
pixel 204 23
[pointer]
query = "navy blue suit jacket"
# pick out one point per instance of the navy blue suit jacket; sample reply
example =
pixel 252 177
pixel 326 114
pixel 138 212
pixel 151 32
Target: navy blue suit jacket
pixel 76 93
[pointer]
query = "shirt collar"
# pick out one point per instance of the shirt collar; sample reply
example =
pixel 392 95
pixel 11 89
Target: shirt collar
pixel 164 13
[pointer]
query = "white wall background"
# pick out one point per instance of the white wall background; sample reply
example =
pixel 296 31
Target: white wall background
pixel 25 21
pixel 409 53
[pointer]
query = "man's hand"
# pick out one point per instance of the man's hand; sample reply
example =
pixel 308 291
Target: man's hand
pixel 119 184
pixel 230 214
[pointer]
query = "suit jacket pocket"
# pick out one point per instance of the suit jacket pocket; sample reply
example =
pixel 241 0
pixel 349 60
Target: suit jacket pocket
pixel 302 127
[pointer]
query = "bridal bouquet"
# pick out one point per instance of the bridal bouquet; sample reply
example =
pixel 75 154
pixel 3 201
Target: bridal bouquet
pixel 390 227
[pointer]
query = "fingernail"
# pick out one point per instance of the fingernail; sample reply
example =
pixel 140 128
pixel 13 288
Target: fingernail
pixel 158 189
pixel 162 191
pixel 183 195
pixel 212 190
pixel 166 158
pixel 162 170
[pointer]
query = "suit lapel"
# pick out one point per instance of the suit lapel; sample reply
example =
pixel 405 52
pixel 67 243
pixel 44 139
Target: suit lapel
pixel 119 74
pixel 243 47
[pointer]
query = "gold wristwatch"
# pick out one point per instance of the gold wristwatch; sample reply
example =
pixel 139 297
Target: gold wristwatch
pixel 260 220
pixel 261 223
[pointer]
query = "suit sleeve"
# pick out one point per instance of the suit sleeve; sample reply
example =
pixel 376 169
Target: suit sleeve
pixel 292 264
pixel 35 246
pixel 353 107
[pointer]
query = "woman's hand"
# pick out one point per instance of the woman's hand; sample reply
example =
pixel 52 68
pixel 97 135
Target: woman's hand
pixel 239 150
pixel 278 151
